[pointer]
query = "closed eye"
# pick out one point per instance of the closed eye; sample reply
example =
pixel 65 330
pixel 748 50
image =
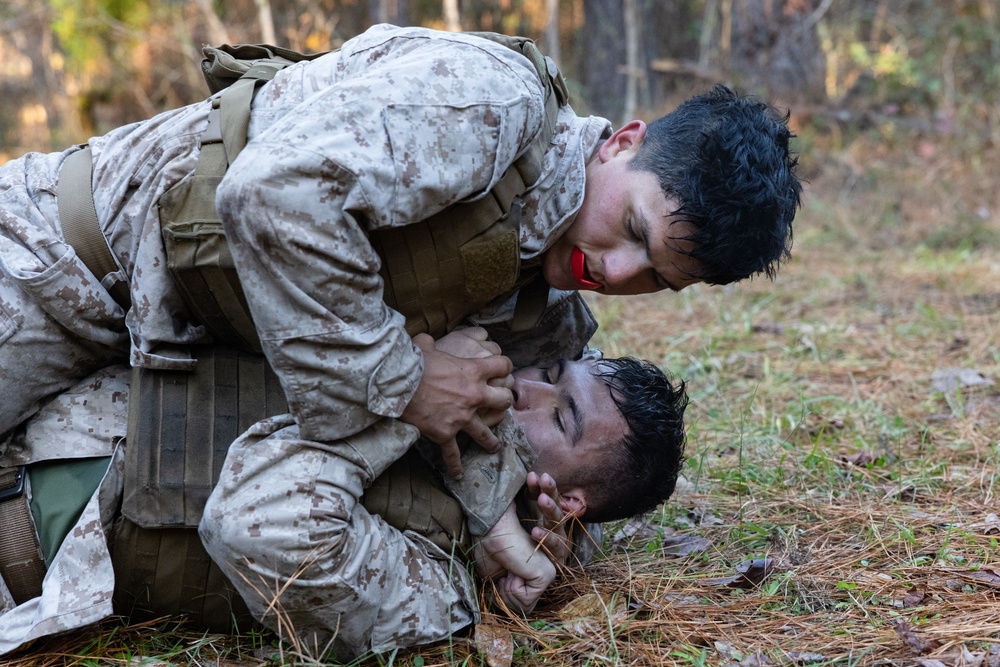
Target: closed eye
pixel 556 416
pixel 632 233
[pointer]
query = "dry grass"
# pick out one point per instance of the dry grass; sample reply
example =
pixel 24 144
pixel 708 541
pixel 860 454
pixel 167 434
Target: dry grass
pixel 818 441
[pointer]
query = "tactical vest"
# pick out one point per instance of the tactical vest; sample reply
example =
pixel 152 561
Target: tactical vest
pixel 180 427
pixel 435 273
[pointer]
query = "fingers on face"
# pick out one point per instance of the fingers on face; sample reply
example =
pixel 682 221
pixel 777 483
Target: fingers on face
pixel 532 480
pixel 496 366
pixel 497 398
pixel 492 417
pixel 505 382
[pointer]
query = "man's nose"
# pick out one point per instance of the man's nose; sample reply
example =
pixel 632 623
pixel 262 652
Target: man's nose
pixel 622 265
pixel 529 393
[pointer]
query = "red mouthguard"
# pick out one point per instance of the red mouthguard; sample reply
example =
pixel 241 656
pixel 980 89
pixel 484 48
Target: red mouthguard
pixel 579 262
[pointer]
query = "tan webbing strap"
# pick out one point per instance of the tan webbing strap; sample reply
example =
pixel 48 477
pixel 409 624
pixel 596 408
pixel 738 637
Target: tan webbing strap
pixel 236 107
pixel 21 564
pixel 81 227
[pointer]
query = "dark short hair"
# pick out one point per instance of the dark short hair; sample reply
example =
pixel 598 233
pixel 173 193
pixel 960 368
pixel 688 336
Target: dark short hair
pixel 641 471
pixel 726 160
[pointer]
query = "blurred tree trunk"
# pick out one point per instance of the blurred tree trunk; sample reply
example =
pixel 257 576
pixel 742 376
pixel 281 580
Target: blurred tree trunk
pixel 775 47
pixel 389 11
pixel 36 113
pixel 216 29
pixel 635 70
pixel 603 57
pixel 452 19
pixel 551 46
pixel 266 20
pixel 618 45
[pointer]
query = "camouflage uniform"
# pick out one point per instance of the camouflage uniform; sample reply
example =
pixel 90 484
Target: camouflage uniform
pixel 398 125
pixel 347 579
pixel 88 419
pixel 345 574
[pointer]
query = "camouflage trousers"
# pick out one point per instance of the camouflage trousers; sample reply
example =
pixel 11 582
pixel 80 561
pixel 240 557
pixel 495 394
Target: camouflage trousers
pixel 87 420
pixel 285 525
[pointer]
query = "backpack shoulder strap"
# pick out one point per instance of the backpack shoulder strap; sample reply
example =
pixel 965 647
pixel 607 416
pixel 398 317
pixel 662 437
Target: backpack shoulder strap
pixel 239 70
pixel 81 228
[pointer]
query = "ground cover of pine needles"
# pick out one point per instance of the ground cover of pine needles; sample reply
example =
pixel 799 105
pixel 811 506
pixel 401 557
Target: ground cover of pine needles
pixel 839 505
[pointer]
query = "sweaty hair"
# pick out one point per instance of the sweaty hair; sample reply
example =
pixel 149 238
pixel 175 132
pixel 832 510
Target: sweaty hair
pixel 640 472
pixel 726 160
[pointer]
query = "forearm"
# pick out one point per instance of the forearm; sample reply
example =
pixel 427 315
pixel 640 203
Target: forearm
pixel 309 542
pixel 507 556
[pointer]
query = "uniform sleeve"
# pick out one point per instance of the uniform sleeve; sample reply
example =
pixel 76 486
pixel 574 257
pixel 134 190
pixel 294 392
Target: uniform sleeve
pixel 342 578
pixel 491 481
pixel 393 141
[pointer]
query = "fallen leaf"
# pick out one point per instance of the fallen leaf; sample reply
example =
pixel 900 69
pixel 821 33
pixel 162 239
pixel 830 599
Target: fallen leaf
pixel 914 641
pixel 703 517
pixel 945 380
pixel 953 584
pixel 496 643
pixel 590 605
pixel 583 614
pixel 750 573
pixel 985 577
pixel 862 458
pixel 906 494
pixel 991 524
pixel 639 528
pixel 756 659
pixel 757 570
pixel 725 649
pixel 685 545
pixel 913 598
pixel 960 658
pixel 993 656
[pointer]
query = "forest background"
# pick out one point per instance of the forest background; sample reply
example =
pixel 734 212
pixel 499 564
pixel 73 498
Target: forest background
pixel 839 502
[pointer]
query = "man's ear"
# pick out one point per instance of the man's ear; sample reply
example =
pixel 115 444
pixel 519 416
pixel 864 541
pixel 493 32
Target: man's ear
pixel 626 138
pixel 573 502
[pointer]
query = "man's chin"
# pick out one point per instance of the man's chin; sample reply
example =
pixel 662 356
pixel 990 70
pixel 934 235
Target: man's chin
pixel 557 279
